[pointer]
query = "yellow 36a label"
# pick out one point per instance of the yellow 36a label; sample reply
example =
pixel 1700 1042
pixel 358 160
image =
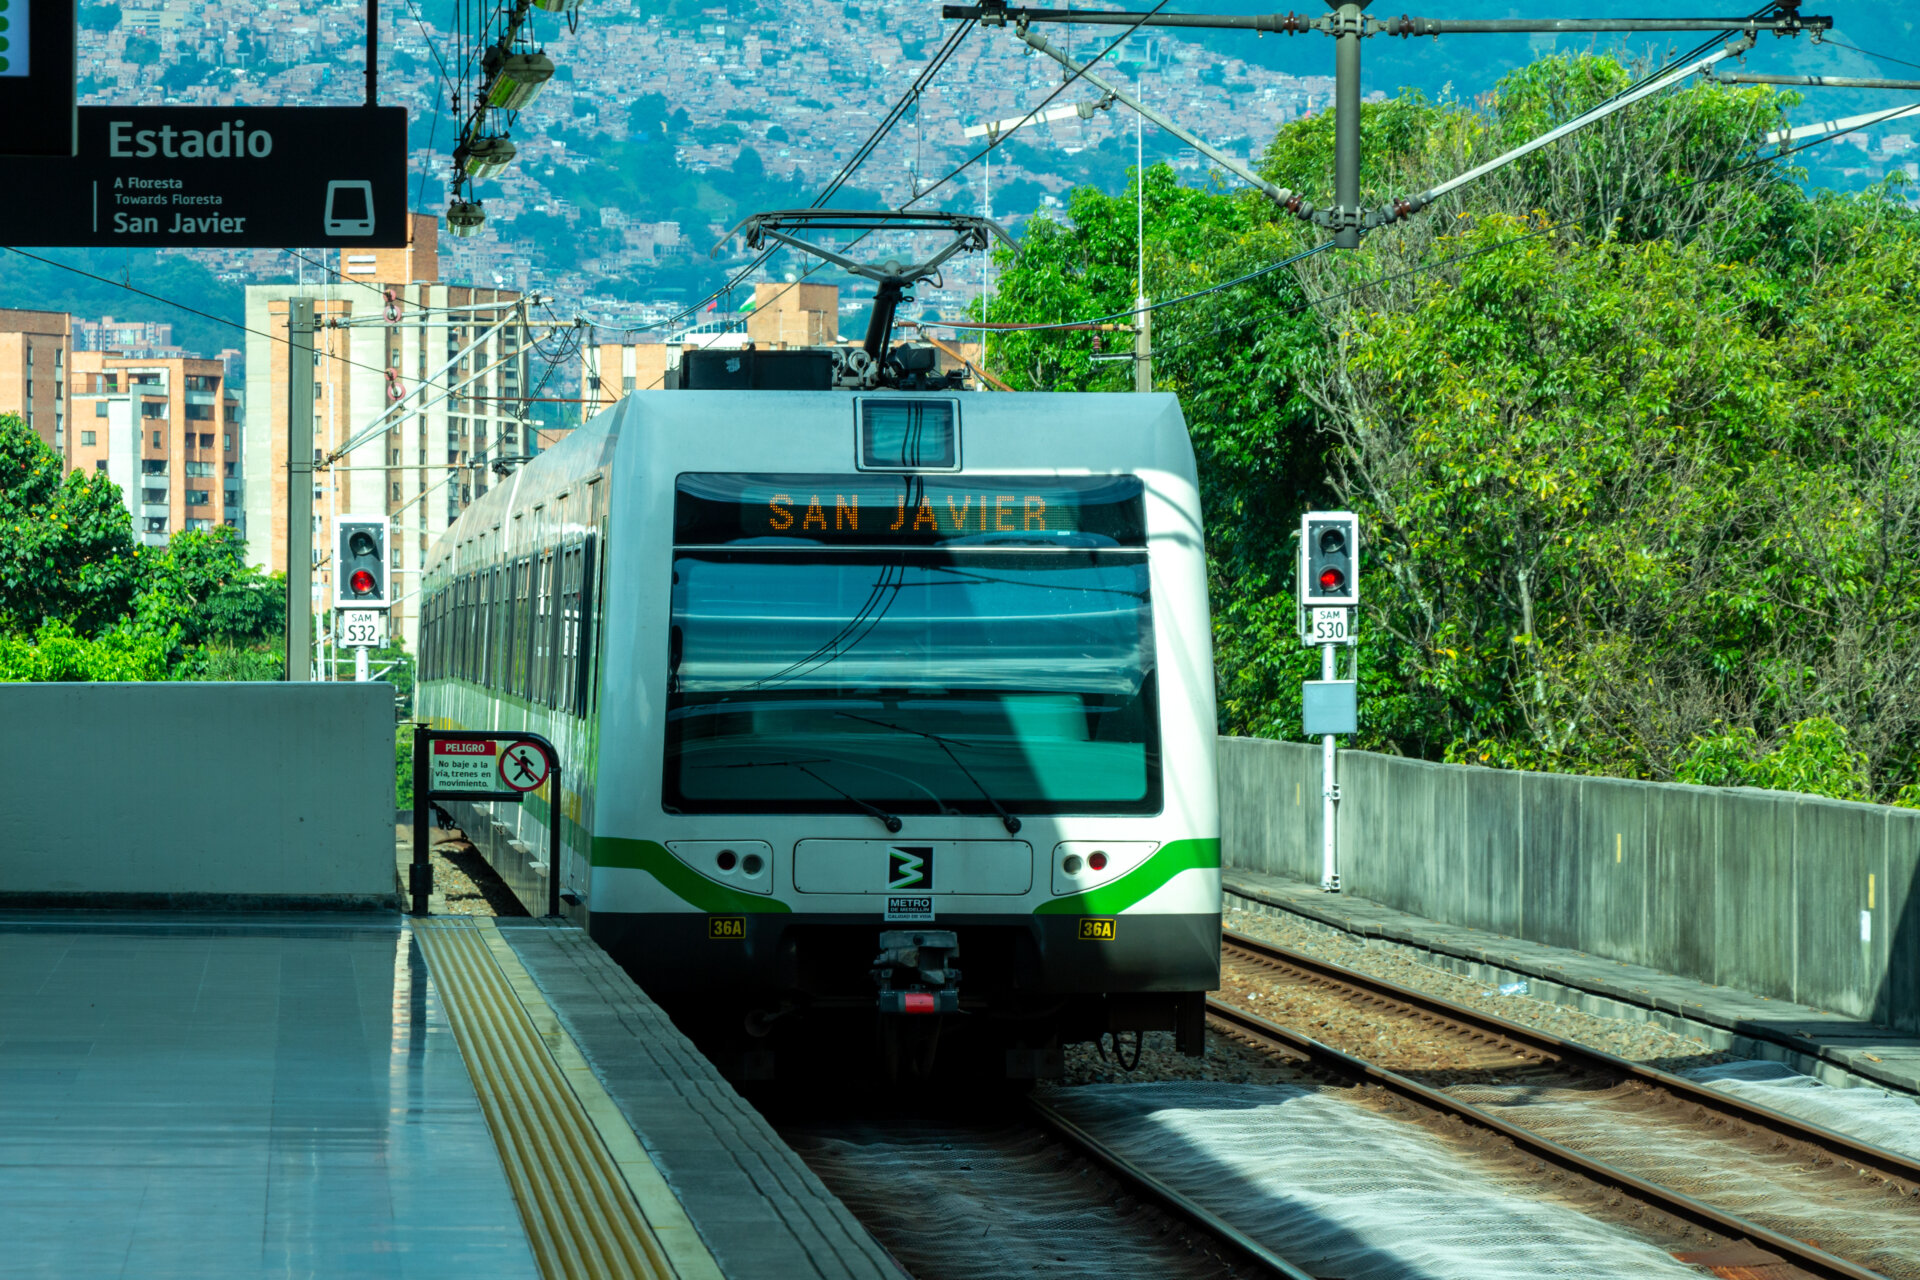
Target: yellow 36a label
pixel 1097 928
pixel 726 928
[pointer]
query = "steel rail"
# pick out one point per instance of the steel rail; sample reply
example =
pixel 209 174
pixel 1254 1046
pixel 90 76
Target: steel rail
pixel 1734 1229
pixel 1864 1155
pixel 1243 1246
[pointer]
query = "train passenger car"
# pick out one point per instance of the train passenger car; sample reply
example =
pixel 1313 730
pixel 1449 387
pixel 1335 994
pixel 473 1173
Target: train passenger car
pixel 888 708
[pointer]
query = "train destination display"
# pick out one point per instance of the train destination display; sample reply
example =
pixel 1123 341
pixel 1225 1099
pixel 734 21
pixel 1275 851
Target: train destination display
pixel 257 177
pixel 922 510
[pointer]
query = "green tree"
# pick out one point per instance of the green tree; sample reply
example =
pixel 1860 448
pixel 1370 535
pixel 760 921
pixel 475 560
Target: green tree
pixel 67 549
pixel 1631 424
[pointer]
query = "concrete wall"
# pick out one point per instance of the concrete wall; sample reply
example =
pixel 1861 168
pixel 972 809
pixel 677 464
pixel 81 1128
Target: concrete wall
pixel 236 795
pixel 1784 895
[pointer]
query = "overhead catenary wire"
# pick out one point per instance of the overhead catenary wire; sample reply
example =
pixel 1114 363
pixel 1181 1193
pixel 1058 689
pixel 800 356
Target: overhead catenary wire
pixel 909 99
pixel 1468 255
pixel 1289 261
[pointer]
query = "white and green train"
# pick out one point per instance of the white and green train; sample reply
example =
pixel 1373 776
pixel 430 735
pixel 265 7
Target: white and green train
pixel 869 705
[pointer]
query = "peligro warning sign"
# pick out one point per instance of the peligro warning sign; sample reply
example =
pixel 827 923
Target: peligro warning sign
pixel 465 764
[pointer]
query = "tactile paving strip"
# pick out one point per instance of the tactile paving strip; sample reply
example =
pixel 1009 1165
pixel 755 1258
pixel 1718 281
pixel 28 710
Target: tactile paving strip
pixel 593 1203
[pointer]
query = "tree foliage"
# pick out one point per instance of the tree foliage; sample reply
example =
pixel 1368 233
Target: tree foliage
pixel 1631 425
pixel 81 599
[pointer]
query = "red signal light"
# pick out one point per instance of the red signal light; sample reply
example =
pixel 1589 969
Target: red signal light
pixel 1332 579
pixel 361 583
pixel 1098 861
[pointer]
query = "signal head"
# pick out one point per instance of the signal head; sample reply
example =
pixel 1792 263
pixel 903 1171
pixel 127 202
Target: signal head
pixel 1329 559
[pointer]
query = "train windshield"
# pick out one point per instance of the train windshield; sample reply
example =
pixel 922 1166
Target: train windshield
pixel 1007 670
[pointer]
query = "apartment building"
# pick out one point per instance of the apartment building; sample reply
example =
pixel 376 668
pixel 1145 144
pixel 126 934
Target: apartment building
pixel 36 351
pixel 783 315
pixel 168 432
pixel 432 375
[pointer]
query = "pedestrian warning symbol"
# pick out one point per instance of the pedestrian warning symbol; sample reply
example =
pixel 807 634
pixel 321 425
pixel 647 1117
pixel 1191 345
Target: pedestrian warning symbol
pixel 523 766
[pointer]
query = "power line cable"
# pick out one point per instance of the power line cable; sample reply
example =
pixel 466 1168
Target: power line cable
pixel 1841 44
pixel 1470 254
pixel 910 98
pixel 208 315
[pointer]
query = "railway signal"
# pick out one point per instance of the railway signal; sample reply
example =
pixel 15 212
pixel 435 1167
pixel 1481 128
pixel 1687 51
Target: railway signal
pixel 361 597
pixel 360 564
pixel 1329 594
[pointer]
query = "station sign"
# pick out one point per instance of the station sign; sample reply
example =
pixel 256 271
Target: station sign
pixel 37 79
pixel 212 177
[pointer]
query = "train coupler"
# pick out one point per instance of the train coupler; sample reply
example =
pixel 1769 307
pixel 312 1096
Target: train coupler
pixel 915 971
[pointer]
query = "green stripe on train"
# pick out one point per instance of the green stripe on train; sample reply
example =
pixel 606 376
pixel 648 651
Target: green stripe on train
pixel 1164 865
pixel 679 879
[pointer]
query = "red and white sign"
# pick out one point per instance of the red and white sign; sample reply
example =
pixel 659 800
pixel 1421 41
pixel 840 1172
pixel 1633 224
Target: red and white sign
pixel 464 764
pixel 523 766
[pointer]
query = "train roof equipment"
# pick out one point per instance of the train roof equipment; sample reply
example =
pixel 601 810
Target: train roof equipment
pixel 875 363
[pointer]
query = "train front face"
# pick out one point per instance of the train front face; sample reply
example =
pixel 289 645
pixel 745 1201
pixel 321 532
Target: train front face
pixel 932 738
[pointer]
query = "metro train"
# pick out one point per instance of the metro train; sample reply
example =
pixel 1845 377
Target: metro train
pixel 880 711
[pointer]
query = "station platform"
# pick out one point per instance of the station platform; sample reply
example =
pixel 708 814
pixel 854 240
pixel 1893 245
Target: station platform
pixel 369 1095
pixel 1829 1046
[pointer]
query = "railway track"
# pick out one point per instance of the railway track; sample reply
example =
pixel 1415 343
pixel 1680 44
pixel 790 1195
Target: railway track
pixel 1018 1193
pixel 1862 1213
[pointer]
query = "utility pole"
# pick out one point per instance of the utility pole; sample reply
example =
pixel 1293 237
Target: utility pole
pixel 1347 213
pixel 1142 345
pixel 299 488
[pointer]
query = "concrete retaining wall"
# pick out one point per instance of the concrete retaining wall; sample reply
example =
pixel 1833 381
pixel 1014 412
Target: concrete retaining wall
pixel 1783 895
pixel 241 795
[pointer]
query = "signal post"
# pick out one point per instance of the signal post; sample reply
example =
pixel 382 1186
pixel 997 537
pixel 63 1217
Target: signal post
pixel 1329 594
pixel 361 596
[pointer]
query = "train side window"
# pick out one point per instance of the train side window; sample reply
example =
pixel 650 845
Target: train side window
pixel 522 626
pixel 589 625
pixel 496 641
pixel 567 680
pixel 542 627
pixel 445 658
pixel 427 629
pixel 456 614
pixel 470 628
pixel 483 625
pixel 462 630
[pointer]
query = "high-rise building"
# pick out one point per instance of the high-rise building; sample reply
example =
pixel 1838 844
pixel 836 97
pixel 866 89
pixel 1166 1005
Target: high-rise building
pixel 36 350
pixel 168 432
pixel 427 381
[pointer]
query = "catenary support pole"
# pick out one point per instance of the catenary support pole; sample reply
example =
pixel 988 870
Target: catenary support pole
pixel 300 489
pixel 1346 124
pixel 373 53
pixel 1329 794
pixel 1142 345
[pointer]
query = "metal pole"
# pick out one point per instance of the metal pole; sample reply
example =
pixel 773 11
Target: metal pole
pixel 1329 794
pixel 300 489
pixel 1346 123
pixel 420 874
pixel 1142 345
pixel 553 838
pixel 373 53
pixel 360 665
